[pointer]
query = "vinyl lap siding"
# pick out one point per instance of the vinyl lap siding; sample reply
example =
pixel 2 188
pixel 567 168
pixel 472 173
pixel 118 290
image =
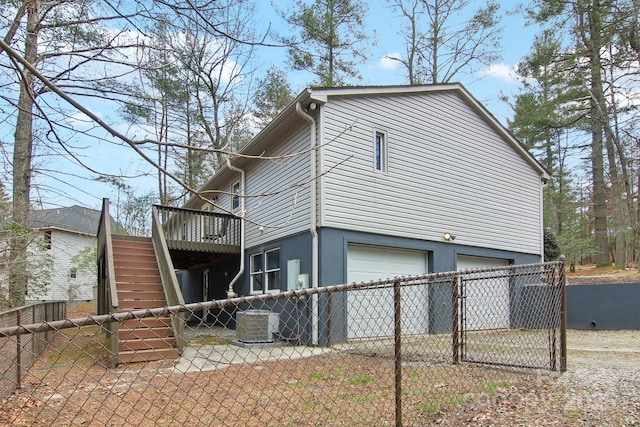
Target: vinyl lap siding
pixel 279 191
pixel 64 246
pixel 448 170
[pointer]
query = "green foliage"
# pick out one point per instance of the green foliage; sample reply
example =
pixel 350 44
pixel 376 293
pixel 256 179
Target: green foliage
pixel 427 408
pixel 135 213
pixel 85 259
pixel 551 246
pixel 39 265
pixel 84 266
pixel 576 241
pixel 547 112
pixel 273 95
pixel 331 41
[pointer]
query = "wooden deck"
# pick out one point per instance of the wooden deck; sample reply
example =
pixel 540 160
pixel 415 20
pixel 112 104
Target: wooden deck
pixel 200 231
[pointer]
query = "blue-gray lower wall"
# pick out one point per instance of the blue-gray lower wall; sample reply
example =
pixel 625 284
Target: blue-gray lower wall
pixel 333 245
pixel 441 257
pixel 294 315
pixel 294 247
pixel 612 306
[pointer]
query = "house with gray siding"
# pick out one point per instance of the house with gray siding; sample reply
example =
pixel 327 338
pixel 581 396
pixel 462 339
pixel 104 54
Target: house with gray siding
pixel 366 183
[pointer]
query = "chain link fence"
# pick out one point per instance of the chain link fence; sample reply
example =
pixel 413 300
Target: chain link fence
pixel 407 351
pixel 19 352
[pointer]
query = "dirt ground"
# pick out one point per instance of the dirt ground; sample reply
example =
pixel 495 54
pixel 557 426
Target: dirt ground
pixel 600 388
pixel 589 274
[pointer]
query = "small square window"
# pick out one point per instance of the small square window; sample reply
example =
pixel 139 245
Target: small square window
pixel 73 273
pixel 380 152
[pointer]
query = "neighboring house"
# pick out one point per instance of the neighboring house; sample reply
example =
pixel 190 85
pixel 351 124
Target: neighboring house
pixel 363 183
pixel 66 232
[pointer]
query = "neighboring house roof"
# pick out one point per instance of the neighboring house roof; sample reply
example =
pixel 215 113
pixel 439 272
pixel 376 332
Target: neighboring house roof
pixel 288 117
pixel 75 218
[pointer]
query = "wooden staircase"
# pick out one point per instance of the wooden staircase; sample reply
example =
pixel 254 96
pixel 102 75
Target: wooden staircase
pixel 139 286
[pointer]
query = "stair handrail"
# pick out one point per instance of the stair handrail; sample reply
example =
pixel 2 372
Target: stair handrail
pixel 105 251
pixel 170 284
pixel 107 292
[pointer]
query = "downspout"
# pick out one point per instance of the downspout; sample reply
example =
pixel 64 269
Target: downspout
pixel 312 228
pixel 230 292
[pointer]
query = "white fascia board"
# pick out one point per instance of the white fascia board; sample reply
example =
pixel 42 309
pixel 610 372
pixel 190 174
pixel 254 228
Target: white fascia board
pixel 322 94
pixel 66 230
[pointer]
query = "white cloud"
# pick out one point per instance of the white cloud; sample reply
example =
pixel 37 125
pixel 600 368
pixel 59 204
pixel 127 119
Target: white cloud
pixel 389 61
pixel 79 119
pixel 500 71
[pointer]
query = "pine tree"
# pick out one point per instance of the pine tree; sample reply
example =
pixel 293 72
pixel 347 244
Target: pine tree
pixel 331 42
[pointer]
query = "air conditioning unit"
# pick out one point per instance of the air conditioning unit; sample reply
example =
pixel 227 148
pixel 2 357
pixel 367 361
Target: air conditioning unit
pixel 256 326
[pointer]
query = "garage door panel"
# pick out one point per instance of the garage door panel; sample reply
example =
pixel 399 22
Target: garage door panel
pixel 370 312
pixel 486 302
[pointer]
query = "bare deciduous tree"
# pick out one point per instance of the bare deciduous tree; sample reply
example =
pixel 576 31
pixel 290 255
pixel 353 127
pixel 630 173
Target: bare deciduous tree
pixel 437 48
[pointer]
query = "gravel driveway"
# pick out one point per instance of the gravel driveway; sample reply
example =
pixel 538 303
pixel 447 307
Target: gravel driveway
pixel 600 388
pixel 602 384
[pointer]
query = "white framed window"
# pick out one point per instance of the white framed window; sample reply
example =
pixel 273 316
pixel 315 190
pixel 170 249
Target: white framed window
pixel 73 273
pixel 272 270
pixel 257 262
pixel 380 152
pixel 235 196
pixel 210 205
pixel 265 272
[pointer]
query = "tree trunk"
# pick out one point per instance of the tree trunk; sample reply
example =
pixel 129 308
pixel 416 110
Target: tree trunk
pixel 22 157
pixel 597 118
pixel 619 179
pixel 618 209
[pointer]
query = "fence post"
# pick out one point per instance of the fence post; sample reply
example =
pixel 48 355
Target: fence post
pixel 563 314
pixel 18 350
pixel 455 334
pixel 398 350
pixel 329 316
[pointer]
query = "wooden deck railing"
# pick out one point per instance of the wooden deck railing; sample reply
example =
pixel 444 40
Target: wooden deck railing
pixel 107 292
pixel 194 230
pixel 172 291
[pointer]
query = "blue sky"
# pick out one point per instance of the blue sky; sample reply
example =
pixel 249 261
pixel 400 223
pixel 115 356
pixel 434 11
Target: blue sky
pixel 487 85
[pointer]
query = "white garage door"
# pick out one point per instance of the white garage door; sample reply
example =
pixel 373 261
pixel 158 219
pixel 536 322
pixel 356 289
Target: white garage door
pixel 487 299
pixel 370 312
